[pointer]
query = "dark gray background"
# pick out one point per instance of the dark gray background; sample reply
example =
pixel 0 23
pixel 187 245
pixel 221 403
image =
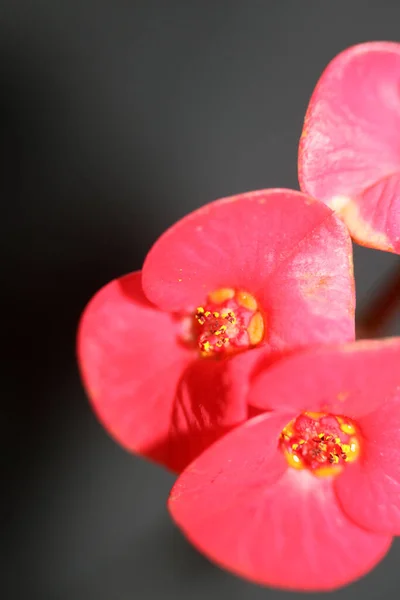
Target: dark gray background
pixel 117 118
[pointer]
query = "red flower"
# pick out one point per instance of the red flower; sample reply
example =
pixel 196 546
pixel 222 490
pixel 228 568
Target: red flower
pixel 297 499
pixel 162 352
pixel 349 155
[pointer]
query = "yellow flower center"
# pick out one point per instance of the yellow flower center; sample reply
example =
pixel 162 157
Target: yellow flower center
pixel 229 321
pixel 321 443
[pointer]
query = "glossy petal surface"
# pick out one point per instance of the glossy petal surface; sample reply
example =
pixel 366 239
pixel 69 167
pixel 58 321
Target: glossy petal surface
pixel 349 153
pixel 152 393
pixel 287 250
pixel 369 489
pixel 352 379
pixel 246 510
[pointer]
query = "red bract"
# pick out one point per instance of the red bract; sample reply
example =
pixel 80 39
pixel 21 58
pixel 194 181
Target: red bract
pixel 349 155
pixel 307 496
pixel 163 352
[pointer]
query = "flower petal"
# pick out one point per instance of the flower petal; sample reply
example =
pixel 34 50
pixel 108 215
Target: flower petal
pixel 210 402
pixel 286 249
pixel 369 489
pixel 350 142
pixel 156 397
pixel 131 363
pixel 246 510
pixel 310 300
pixel 352 379
pixel 374 216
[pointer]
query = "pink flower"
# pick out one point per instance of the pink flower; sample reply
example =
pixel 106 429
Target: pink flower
pixel 165 353
pixel 349 154
pixel 307 496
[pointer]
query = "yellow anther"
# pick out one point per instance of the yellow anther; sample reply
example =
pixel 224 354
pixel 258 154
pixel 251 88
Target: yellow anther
pixel 229 316
pixel 313 415
pixel 293 460
pixel 256 329
pixel 348 428
pixel 327 471
pixel 221 295
pixel 246 300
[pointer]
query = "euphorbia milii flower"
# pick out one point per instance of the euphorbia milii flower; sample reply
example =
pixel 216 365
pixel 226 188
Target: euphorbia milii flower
pixel 349 155
pixel 306 496
pixel 164 353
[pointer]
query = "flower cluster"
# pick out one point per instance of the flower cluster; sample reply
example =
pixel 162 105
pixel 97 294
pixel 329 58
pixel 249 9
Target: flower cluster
pixel 165 353
pixel 306 495
pixel 231 359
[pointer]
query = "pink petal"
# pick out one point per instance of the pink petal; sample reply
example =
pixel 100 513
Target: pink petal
pixel 310 300
pixel 379 206
pixel 246 510
pixel 286 249
pixel 369 489
pixel 153 395
pixel 350 142
pixel 352 380
pixel 131 363
pixel 211 400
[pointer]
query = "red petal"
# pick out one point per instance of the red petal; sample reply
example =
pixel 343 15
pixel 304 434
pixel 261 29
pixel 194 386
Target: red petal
pixel 286 249
pixel 150 392
pixel 379 207
pixel 131 363
pixel 311 299
pixel 210 402
pixel 350 142
pixel 352 379
pixel 241 506
pixel 369 489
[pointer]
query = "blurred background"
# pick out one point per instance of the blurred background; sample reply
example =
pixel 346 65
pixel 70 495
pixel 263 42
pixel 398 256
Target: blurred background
pixel 117 118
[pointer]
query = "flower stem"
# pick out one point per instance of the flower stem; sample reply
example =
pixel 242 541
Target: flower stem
pixel 381 308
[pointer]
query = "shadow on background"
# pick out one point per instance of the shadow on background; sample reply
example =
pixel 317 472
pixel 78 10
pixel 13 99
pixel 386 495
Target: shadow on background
pixel 116 119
